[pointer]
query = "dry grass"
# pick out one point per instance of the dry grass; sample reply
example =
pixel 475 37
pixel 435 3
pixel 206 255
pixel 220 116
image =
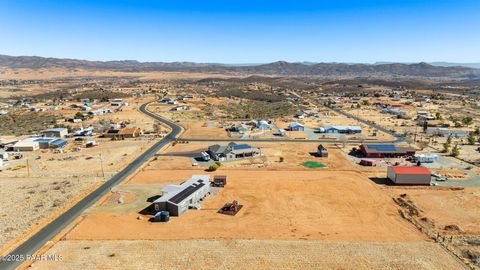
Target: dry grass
pixel 247 254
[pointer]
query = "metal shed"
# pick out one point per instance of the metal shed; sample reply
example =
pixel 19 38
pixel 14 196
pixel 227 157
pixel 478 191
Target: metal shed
pixel 409 175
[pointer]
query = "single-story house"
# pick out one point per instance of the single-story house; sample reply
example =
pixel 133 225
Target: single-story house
pixel 299 115
pixel 118 103
pixel 445 132
pixel 296 127
pixel 3 155
pixel 340 129
pixel 322 151
pixel 426 117
pixel 409 175
pixel 426 158
pixel 280 132
pixel 393 111
pixel 100 111
pixel 23 146
pixel 232 151
pixel 262 124
pixel 123 133
pixel 240 128
pixel 390 150
pixel 180 108
pixel 177 199
pixel 46 143
pixel 55 132
pixel 85 108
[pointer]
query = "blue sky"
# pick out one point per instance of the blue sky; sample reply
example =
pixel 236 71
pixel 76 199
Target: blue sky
pixel 232 31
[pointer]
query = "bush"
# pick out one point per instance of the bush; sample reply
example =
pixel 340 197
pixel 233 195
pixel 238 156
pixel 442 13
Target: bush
pixel 213 167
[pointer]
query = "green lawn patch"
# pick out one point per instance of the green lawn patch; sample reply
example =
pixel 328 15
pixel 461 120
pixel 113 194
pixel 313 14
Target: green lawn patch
pixel 313 164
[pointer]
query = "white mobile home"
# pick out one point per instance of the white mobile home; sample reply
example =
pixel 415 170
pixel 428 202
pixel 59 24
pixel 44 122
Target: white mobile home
pixel 179 198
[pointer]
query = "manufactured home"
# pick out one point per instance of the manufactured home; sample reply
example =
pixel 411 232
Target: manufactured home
pixel 177 199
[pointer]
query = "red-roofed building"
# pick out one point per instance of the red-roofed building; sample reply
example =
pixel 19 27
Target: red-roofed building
pixel 409 175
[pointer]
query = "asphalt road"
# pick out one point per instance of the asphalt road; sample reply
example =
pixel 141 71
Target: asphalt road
pixel 36 241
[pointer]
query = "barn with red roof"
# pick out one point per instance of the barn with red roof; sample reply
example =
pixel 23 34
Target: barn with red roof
pixel 409 175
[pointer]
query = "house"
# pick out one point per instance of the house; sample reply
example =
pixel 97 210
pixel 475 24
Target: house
pixel 118 103
pixel 372 150
pixel 84 132
pixel 123 133
pixel 46 143
pixel 322 151
pixel 426 158
pixel 445 132
pixel 169 101
pixel 23 146
pixel 299 115
pixel 100 111
pixel 424 113
pixel 240 128
pixel 232 151
pixel 262 124
pixel 177 199
pixel 393 111
pixel 340 129
pixel 425 117
pixel 85 108
pixel 55 132
pixel 280 132
pixel 3 155
pixel 296 127
pixel 409 175
pixel 180 108
pixel 58 143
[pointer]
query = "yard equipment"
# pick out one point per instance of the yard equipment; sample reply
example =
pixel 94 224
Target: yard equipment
pixel 230 208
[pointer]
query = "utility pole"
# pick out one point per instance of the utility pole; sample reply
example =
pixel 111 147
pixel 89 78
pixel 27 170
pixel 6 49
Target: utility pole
pixel 101 165
pixel 28 167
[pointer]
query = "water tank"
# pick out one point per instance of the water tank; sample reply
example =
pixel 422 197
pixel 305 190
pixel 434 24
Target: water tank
pixel 164 216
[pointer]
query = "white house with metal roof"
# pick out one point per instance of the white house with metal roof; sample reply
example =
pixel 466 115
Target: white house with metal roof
pixel 340 129
pixel 177 199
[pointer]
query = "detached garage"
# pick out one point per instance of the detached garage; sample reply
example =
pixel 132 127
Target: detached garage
pixel 405 175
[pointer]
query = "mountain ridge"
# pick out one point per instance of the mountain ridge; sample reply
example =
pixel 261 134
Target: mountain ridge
pixel 377 70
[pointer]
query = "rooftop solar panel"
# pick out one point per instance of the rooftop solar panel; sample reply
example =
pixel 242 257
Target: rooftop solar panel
pixel 241 146
pixel 185 193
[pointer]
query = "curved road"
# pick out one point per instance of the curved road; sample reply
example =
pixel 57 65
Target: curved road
pixel 39 239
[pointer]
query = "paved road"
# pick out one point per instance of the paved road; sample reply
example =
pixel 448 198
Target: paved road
pixel 282 140
pixel 398 138
pixel 39 239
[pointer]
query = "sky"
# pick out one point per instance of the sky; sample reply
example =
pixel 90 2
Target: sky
pixel 233 31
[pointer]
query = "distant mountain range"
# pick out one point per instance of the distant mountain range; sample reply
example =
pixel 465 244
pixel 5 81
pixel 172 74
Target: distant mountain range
pixel 442 64
pixel 447 71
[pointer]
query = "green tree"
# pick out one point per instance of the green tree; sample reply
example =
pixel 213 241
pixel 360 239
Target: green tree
pixel 455 151
pixel 471 138
pixel 446 147
pixel 438 116
pixel 79 115
pixel 468 120
pixel 449 140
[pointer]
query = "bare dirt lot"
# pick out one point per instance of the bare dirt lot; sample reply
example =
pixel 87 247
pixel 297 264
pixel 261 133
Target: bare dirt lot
pixel 247 254
pixel 448 207
pixel 298 204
